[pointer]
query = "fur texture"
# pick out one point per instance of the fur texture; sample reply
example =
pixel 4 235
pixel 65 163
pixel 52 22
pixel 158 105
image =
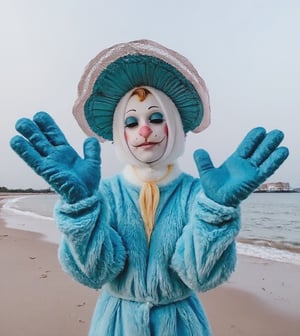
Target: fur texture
pixel 148 289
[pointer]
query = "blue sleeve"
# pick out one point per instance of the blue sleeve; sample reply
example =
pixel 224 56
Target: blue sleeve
pixel 205 254
pixel 91 251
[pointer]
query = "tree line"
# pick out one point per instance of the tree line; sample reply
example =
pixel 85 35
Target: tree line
pixel 27 190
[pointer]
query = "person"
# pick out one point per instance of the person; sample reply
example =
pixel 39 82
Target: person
pixel 152 236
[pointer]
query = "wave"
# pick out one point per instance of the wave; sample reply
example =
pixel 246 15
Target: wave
pixel 30 218
pixel 11 205
pixel 282 245
pixel 280 250
pixel 268 253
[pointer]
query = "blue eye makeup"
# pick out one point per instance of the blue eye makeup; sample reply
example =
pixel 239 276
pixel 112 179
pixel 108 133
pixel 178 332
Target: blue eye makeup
pixel 131 122
pixel 156 118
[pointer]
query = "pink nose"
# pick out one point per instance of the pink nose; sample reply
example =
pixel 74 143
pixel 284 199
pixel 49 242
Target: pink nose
pixel 145 131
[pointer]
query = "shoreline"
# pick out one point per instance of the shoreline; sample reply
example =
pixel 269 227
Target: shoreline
pixel 261 298
pixel 278 250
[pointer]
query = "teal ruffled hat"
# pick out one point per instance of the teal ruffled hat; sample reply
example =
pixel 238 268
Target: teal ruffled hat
pixel 119 69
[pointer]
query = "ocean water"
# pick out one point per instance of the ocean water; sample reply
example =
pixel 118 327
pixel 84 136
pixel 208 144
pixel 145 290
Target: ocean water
pixel 270 223
pixel 271 227
pixel 32 213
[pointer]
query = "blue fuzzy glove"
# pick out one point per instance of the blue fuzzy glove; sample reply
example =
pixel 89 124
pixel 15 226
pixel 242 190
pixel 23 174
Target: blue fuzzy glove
pixel 257 158
pixel 45 149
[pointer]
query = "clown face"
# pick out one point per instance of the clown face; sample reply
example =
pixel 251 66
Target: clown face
pixel 146 131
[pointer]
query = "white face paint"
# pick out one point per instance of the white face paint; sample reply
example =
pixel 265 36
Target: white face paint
pixel 146 131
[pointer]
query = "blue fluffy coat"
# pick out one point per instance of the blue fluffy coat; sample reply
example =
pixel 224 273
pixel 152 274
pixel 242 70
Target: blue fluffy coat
pixel 148 289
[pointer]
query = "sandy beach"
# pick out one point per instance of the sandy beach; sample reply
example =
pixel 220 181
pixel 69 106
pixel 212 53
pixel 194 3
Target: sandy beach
pixel 262 298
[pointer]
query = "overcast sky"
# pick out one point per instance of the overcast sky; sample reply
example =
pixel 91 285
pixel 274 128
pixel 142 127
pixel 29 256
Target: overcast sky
pixel 248 53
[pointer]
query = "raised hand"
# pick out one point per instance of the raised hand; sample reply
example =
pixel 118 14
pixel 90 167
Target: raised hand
pixel 257 158
pixel 45 149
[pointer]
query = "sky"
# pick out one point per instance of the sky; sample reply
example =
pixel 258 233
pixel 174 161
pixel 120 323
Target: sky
pixel 247 52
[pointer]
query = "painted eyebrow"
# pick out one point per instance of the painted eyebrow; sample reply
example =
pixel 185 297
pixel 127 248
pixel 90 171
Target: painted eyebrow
pixel 149 108
pixel 131 110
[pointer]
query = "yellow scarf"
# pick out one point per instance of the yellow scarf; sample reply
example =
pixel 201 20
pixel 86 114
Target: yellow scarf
pixel 148 200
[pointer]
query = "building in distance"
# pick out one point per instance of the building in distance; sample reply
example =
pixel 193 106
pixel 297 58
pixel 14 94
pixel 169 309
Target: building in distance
pixel 274 187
